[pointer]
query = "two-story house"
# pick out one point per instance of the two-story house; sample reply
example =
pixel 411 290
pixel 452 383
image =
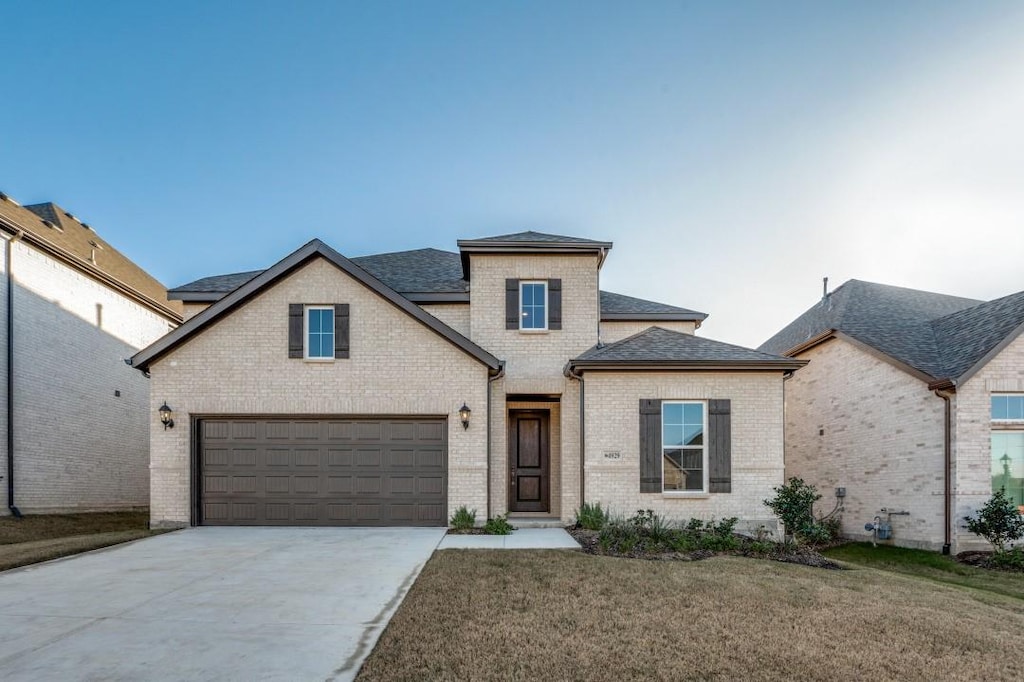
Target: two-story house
pixel 393 389
pixel 75 417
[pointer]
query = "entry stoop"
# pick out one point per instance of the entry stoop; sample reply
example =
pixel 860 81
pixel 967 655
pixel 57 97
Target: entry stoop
pixel 523 521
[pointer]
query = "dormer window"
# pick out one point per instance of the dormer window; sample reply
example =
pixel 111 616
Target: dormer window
pixel 533 306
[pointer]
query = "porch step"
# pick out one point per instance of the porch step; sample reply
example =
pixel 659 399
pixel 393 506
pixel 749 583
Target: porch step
pixel 536 521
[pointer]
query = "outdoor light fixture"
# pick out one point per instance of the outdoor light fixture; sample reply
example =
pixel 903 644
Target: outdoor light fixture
pixel 464 413
pixel 166 416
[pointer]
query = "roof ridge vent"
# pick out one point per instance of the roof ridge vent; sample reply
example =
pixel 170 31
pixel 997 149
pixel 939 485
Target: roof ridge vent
pixel 53 226
pixel 7 197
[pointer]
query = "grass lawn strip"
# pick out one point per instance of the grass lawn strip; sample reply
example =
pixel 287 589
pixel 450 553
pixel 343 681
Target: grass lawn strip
pixel 930 566
pixel 480 615
pixel 41 537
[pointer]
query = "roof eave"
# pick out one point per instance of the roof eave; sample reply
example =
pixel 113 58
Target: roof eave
pixel 675 365
pixel 653 317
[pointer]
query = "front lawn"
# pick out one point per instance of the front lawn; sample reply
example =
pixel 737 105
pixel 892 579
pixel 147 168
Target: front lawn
pixel 930 565
pixel 42 537
pixel 478 614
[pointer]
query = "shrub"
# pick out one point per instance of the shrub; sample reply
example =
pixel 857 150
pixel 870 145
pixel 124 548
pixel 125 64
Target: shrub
pixel 1010 560
pixel 463 519
pixel 794 505
pixel 998 521
pixel 591 516
pixel 499 525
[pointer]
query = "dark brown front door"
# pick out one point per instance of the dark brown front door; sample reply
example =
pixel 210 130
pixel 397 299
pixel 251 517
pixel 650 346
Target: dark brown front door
pixel 528 456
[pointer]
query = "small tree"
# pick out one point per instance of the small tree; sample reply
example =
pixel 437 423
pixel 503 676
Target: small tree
pixel 998 521
pixel 794 505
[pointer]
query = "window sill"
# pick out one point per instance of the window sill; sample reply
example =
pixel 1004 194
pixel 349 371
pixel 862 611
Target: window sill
pixel 318 361
pixel 534 331
pixel 695 495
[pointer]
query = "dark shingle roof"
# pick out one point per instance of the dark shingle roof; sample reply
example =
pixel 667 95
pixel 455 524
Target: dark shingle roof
pixel 939 335
pixel 219 284
pixel 656 345
pixel 531 236
pixel 72 238
pixel 620 304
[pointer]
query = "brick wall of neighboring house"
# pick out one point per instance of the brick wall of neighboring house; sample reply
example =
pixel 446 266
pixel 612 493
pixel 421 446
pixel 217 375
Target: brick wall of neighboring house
pixel 190 310
pixel 78 445
pixel 397 366
pixel 616 331
pixel 973 427
pixel 534 355
pixel 612 426
pixel 882 440
pixel 455 315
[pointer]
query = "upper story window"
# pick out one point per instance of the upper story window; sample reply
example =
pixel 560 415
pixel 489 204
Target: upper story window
pixel 1007 408
pixel 319 333
pixel 533 305
pixel 683 446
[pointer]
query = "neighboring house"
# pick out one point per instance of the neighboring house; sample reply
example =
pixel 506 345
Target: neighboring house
pixel 913 402
pixel 330 391
pixel 74 414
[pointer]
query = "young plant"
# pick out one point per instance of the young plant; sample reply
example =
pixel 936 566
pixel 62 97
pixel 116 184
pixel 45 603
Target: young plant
pixel 794 505
pixel 463 519
pixel 591 516
pixel 499 525
pixel 998 521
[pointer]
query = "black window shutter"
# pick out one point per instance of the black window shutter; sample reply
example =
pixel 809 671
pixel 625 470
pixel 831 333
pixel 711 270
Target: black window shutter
pixel 720 446
pixel 511 304
pixel 650 446
pixel 341 330
pixel 554 304
pixel 295 344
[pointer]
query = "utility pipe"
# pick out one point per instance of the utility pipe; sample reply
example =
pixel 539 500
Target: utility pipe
pixel 947 447
pixel 8 260
pixel 490 385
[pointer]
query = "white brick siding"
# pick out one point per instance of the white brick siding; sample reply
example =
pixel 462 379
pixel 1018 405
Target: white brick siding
pixel 455 315
pixel 397 366
pixel 618 330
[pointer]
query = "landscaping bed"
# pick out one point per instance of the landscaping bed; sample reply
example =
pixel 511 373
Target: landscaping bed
pixel 41 537
pixel 1010 561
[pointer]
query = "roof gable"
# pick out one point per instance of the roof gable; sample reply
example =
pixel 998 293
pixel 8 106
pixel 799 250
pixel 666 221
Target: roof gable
pixel 285 267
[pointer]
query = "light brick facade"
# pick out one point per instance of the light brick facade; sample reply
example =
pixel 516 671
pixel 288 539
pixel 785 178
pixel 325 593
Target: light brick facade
pixel 857 421
pixel 616 330
pixel 81 415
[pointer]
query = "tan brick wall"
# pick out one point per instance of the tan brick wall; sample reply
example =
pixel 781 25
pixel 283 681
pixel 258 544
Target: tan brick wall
pixel 616 331
pixel 190 310
pixel 612 424
pixel 882 441
pixel 455 315
pixel 534 355
pixel 241 366
pixel 973 462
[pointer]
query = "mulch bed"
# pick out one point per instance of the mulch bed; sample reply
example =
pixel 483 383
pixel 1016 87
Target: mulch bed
pixel 984 560
pixel 805 556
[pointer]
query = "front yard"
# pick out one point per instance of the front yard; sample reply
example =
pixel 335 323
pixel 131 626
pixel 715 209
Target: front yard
pixel 478 614
pixel 40 538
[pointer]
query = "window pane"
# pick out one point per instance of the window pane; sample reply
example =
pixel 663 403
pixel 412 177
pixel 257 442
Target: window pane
pixel 1015 407
pixel 1008 465
pixel 314 321
pixel 672 413
pixel 673 470
pixel 693 413
pixel 999 407
pixel 672 435
pixel 693 435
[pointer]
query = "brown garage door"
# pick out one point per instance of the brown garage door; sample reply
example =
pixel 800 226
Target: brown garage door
pixel 322 472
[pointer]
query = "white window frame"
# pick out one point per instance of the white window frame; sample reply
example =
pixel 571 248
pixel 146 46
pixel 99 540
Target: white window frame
pixel 547 306
pixel 705 463
pixel 1003 395
pixel 305 334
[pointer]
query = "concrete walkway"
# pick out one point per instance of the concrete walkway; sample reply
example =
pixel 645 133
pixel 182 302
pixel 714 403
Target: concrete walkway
pixel 524 538
pixel 211 604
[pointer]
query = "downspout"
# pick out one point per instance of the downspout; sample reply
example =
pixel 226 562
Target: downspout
pixel 490 382
pixel 572 374
pixel 8 260
pixel 947 448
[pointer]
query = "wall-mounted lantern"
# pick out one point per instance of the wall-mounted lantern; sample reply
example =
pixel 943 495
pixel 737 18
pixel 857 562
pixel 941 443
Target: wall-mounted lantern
pixel 464 413
pixel 166 416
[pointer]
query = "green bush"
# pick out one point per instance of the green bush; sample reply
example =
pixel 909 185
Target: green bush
pixel 463 519
pixel 998 521
pixel 794 505
pixel 499 525
pixel 591 516
pixel 1010 560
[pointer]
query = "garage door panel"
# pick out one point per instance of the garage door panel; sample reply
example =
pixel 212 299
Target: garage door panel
pixel 286 472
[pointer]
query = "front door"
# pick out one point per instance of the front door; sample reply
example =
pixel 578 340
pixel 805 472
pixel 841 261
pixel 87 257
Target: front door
pixel 529 461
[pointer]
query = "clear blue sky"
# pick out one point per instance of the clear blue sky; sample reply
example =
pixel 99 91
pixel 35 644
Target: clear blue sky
pixel 734 152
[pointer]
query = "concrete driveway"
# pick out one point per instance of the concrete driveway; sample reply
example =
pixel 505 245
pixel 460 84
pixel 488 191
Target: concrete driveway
pixel 211 604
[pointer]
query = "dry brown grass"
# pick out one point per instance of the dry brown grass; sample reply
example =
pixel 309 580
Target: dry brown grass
pixel 43 537
pixel 480 615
